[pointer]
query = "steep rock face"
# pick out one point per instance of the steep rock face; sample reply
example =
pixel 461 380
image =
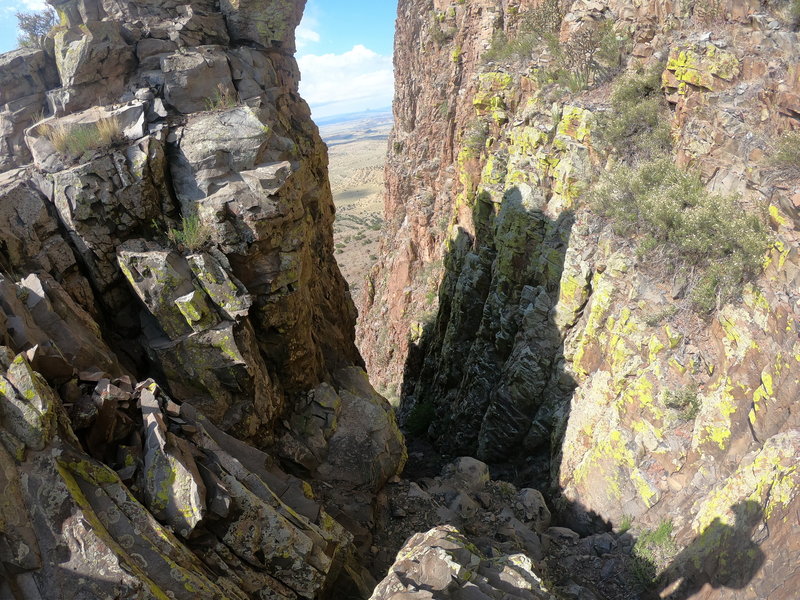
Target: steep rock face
pixel 553 344
pixel 174 228
pixel 420 177
pixel 247 172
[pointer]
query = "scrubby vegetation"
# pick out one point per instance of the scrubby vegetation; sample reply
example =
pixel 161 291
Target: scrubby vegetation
pixel 685 401
pixel 536 27
pixel 707 235
pixel 787 155
pixel 591 55
pixel 637 126
pixel 439 34
pixel 34 26
pixel 475 136
pixel 652 552
pixel 74 140
pixel 193 234
pixel 223 98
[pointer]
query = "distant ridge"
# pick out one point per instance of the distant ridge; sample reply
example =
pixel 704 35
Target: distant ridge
pixel 369 114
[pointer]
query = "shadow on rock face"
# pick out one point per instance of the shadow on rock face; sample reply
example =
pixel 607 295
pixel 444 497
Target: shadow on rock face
pixel 723 556
pixel 488 378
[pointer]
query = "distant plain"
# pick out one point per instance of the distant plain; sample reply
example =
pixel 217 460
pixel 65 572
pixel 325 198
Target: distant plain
pixel 357 152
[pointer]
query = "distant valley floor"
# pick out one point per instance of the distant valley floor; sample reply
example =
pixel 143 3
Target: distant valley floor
pixel 357 151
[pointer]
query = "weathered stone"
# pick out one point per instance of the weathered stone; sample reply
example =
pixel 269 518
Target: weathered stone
pixel 443 564
pixel 193 79
pixel 270 23
pixel 92 59
pixel 173 487
pixel 223 289
pixel 25 75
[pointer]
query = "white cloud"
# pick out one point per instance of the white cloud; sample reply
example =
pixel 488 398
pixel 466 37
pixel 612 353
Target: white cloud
pixel 306 32
pixel 305 36
pixel 353 81
pixel 31 5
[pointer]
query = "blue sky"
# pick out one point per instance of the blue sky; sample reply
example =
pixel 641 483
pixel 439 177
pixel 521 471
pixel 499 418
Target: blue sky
pixel 344 48
pixel 8 22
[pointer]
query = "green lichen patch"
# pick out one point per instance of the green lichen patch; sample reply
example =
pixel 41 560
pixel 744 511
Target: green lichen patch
pixel 701 67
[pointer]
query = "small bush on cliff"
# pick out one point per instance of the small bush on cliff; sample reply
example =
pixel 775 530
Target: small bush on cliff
pixel 475 136
pixel 787 155
pixel 440 35
pixel 74 140
pixel 420 419
pixel 537 26
pixel 223 98
pixel 685 401
pixel 707 235
pixel 34 26
pixel 591 56
pixel 637 125
pixel 193 234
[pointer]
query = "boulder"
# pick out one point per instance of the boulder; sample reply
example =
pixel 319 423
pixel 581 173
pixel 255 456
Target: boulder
pixel 442 563
pixel 196 79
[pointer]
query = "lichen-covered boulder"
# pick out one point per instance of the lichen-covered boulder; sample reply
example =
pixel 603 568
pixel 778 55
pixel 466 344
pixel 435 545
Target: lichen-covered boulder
pixel 25 75
pixel 270 23
pixel 203 341
pixel 442 563
pixel 195 79
pixel 93 59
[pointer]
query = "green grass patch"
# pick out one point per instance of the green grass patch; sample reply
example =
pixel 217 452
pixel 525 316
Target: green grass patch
pixel 76 139
pixel 222 99
pixel 625 524
pixel 193 234
pixel 652 553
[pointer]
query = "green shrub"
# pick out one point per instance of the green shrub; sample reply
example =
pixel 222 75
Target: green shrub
pixel 787 154
pixel 193 234
pixel 593 54
pixel 637 125
pixel 537 27
pixel 685 401
pixel 420 418
pixel 33 27
pixel 706 234
pixel 475 136
pixel 440 35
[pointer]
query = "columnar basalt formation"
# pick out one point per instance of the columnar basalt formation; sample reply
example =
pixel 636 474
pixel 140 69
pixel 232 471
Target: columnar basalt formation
pixel 172 319
pixel 513 324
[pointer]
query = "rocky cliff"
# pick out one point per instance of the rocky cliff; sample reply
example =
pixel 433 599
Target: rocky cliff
pixel 645 377
pixel 173 324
